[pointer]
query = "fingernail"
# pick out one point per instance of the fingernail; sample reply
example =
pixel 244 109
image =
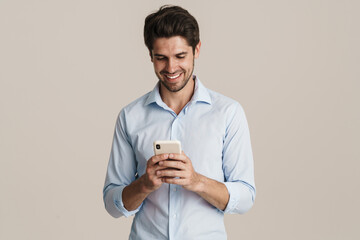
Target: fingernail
pixel 171 155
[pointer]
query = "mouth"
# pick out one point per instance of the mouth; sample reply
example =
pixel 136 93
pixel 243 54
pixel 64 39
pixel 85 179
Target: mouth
pixel 172 77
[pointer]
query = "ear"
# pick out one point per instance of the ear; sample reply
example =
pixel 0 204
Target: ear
pixel 197 50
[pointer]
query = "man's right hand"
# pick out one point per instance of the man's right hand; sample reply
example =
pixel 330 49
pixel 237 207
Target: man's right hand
pixel 151 181
pixel 136 192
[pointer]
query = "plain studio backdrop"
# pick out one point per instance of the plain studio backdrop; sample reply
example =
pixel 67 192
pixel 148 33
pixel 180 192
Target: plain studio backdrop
pixel 68 67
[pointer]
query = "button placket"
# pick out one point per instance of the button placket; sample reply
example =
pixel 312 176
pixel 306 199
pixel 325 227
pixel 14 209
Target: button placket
pixel 174 190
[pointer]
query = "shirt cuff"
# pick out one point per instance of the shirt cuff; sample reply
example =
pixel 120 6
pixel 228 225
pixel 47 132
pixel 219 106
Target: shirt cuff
pixel 115 205
pixel 241 197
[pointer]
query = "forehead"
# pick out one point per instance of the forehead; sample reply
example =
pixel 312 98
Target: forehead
pixel 172 45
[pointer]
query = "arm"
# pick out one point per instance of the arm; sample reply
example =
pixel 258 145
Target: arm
pixel 121 171
pixel 214 192
pixel 238 164
pixel 124 193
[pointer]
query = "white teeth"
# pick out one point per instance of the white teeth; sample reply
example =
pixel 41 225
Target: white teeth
pixel 173 76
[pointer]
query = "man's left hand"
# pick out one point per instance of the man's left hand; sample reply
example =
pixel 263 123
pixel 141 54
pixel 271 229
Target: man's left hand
pixel 179 170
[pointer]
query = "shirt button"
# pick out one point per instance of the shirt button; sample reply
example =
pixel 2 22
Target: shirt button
pixel 174 215
pixel 174 189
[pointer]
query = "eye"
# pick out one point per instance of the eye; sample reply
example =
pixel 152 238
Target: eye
pixel 180 57
pixel 160 58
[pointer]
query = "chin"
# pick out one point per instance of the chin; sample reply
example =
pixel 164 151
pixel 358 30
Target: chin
pixel 174 87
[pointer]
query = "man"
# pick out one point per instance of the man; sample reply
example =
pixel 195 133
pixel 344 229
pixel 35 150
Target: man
pixel 179 196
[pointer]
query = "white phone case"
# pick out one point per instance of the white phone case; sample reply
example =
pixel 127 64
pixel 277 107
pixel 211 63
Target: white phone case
pixel 170 146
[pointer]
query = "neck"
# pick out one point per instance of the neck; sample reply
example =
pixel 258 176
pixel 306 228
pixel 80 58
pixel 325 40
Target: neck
pixel 177 100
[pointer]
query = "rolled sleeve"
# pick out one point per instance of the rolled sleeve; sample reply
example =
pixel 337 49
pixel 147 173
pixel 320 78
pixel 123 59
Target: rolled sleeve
pixel 241 198
pixel 114 204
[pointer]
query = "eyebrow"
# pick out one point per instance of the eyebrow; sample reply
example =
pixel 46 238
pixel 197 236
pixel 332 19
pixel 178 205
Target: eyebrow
pixel 160 55
pixel 182 53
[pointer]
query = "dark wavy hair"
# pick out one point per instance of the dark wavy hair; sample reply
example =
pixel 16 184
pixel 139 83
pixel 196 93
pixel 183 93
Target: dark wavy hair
pixel 170 21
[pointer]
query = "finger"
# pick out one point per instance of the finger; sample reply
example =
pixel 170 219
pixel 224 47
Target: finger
pixel 152 171
pixel 178 157
pixel 169 173
pixel 173 164
pixel 163 178
pixel 157 158
pixel 160 167
pixel 177 181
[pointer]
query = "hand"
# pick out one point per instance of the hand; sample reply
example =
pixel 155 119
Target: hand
pixel 136 192
pixel 151 181
pixel 179 170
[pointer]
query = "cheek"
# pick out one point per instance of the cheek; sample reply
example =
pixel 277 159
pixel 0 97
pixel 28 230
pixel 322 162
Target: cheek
pixel 187 66
pixel 158 67
pixel 190 62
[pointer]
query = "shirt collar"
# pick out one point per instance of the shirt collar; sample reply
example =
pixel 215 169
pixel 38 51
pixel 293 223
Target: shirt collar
pixel 154 96
pixel 201 94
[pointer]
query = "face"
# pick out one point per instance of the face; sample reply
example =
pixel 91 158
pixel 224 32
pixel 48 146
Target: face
pixel 173 61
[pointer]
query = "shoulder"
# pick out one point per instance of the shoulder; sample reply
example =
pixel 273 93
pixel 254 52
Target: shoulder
pixel 224 103
pixel 135 107
pixel 231 110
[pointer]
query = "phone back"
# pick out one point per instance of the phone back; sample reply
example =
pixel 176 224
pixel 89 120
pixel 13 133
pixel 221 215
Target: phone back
pixel 171 146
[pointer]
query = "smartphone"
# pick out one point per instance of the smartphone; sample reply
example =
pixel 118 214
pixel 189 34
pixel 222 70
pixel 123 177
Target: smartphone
pixel 171 146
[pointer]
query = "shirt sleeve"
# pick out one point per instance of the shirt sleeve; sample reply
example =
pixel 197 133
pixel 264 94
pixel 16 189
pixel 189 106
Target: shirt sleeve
pixel 238 165
pixel 121 171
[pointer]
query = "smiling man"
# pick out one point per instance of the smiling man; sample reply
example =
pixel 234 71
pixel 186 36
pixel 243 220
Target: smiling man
pixel 179 196
pixel 174 62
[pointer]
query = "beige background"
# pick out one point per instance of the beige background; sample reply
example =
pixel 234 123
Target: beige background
pixel 68 67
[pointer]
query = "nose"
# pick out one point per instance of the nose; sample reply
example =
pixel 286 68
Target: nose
pixel 171 65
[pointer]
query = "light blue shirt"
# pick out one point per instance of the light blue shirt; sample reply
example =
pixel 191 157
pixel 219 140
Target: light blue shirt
pixel 214 134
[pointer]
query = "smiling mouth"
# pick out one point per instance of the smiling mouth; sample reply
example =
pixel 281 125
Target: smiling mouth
pixel 172 76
